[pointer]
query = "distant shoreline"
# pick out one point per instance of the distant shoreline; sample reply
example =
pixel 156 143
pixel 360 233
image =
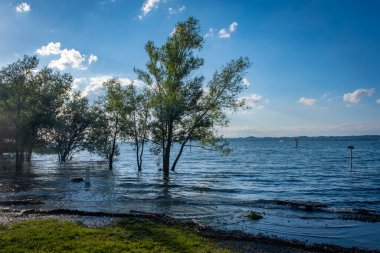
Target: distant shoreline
pixel 312 138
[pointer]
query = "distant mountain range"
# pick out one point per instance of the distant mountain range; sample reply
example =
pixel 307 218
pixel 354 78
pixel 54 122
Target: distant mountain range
pixel 316 138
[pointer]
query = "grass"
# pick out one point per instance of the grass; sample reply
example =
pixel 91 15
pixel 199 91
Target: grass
pixel 127 236
pixel 254 215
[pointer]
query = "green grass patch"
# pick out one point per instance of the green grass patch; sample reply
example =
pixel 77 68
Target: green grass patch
pixel 127 236
pixel 254 215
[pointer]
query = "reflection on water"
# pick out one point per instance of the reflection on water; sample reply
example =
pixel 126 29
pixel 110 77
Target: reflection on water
pixel 219 190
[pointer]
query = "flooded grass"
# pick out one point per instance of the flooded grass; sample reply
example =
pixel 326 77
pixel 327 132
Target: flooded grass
pixel 254 215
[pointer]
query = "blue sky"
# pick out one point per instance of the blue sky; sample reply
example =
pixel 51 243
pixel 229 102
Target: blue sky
pixel 316 64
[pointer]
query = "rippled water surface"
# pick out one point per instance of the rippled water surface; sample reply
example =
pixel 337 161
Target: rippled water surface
pixel 219 191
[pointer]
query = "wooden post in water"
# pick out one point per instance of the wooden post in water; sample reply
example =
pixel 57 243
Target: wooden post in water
pixel 296 140
pixel 351 147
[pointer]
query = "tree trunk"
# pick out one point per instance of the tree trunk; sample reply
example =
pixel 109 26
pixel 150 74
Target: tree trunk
pixel 110 164
pixel 166 155
pixel 18 161
pixel 166 161
pixel 178 155
pixel 29 155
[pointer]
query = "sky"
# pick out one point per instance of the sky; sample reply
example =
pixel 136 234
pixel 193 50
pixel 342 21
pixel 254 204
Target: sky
pixel 315 64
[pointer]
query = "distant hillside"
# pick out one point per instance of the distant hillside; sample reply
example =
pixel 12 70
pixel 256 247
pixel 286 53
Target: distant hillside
pixel 317 138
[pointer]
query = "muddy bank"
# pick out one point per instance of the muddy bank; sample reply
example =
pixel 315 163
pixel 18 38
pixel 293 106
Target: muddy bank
pixel 236 240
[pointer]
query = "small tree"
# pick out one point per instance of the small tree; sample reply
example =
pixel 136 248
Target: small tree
pixel 181 109
pixel 70 129
pixel 109 114
pixel 137 123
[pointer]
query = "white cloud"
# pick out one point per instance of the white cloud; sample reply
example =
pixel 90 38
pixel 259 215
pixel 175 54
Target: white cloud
pixel 95 84
pixel 23 7
pixel 148 6
pixel 92 58
pixel 246 82
pixel 354 97
pixel 233 26
pixel 225 34
pixel 253 100
pixel 210 33
pixel 378 101
pixel 307 101
pixel 77 83
pixel 50 49
pixel 68 58
pixel 173 11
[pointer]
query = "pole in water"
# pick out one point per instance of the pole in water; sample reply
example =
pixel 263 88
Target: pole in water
pixel 351 147
pixel 296 140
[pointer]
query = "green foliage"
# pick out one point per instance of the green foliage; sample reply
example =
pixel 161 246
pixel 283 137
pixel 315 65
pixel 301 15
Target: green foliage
pixel 137 121
pixel 121 114
pixel 254 215
pixel 128 236
pixel 110 123
pixel 29 100
pixel 181 108
pixel 70 129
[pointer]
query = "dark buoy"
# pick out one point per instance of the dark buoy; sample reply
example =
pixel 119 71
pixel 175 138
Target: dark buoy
pixel 351 147
pixel 296 140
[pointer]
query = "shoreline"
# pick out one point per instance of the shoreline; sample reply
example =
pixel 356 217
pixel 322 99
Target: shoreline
pixel 234 239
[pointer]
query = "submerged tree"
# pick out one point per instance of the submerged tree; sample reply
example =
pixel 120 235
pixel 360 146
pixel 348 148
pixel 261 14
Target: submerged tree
pixel 121 114
pixel 29 100
pixel 109 114
pixel 71 127
pixel 181 108
pixel 137 121
pixel 17 88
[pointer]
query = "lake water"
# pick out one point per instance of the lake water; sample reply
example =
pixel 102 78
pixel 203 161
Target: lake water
pixel 219 191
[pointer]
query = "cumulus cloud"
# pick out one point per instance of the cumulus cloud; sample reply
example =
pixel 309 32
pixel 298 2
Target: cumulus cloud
pixel 378 101
pixel 225 34
pixel 307 101
pixel 233 26
pixel 253 100
pixel 23 7
pixel 50 49
pixel 355 96
pixel 94 84
pixel 92 58
pixel 68 58
pixel 148 6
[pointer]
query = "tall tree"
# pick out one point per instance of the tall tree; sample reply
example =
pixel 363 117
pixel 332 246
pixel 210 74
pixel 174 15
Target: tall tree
pixel 182 110
pixel 17 88
pixel 52 90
